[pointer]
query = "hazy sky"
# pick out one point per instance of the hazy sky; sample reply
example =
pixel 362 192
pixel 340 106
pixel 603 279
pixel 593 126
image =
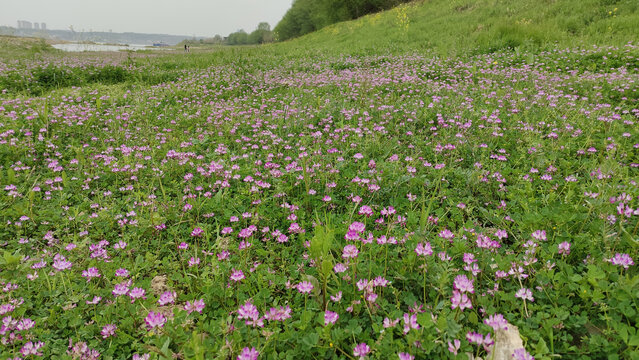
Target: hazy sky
pixel 179 17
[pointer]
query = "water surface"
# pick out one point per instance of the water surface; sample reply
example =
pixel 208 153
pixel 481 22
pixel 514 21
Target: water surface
pixel 76 47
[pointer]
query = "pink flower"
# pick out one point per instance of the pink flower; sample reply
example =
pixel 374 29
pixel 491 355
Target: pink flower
pixel 167 297
pixel 227 230
pixel 475 338
pixel 25 324
pixel 501 234
pixel 194 261
pixel 108 330
pixel 196 305
pixel 330 317
pixel 424 249
pixel 564 248
pixel 122 272
pixel 237 275
pixel 539 235
pixel 249 312
pixel 278 314
pixel 454 346
pixel 525 294
pixel 622 260
pixel 361 351
pixel 305 287
pixel 91 273
pixel 339 268
pixel 137 293
pixel 197 232
pixel 121 289
pixel 350 251
pixel 410 322
pixel 121 245
pixel 61 264
pixel 351 235
pixel 245 233
pixel 497 321
pixel 96 299
pixel 463 284
pixel 461 301
pixel 380 281
pixel 31 348
pixel 155 319
pixel 405 356
pixel 362 284
pixel 522 354
pixel 357 226
pixel 366 210
pixel 388 323
pixel 446 234
pixel 248 354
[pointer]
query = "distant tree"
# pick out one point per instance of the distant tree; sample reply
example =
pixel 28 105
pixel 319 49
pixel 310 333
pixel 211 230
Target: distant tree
pixel 264 26
pixel 297 20
pixel 239 37
pixel 262 34
pixel 218 39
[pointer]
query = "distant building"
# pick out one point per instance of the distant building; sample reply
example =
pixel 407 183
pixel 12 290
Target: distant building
pixel 36 26
pixel 22 24
pixel 43 26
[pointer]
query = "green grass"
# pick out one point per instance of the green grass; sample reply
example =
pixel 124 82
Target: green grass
pixel 457 27
pixel 13 47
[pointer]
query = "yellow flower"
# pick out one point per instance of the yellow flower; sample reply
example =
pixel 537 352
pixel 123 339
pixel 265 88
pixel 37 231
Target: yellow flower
pixel 330 344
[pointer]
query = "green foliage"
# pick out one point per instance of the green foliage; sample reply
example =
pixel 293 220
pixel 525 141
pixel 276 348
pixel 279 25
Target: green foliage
pixel 12 47
pixel 238 38
pixel 39 80
pixel 462 27
pixel 306 16
pixel 261 35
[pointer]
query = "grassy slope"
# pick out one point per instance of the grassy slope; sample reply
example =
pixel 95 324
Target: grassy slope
pixel 12 47
pixel 455 27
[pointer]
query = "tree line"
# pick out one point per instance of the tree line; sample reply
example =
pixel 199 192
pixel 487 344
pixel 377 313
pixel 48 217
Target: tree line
pixel 306 16
pixel 303 17
pixel 261 35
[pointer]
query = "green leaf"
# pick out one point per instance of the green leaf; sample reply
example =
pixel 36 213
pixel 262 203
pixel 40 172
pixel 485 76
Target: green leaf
pixel 310 340
pixel 425 320
pixel 541 348
pixel 472 317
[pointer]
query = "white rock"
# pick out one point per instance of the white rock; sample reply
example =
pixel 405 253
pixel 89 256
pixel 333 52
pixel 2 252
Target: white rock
pixel 506 342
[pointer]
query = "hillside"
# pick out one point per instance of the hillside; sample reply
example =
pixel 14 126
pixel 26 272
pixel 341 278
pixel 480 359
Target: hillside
pixel 452 27
pixel 13 46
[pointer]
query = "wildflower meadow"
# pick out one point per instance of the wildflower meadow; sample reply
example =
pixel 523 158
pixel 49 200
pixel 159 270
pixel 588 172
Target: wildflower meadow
pixel 262 204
